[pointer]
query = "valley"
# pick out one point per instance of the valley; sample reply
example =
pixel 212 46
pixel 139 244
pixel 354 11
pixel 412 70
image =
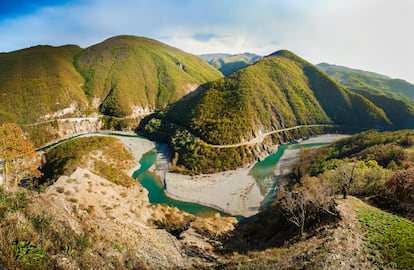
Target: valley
pixel 239 193
pixel 132 154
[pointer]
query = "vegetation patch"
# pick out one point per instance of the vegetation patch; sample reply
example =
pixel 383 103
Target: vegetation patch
pixel 105 155
pixel 12 202
pixel 28 256
pixel 30 236
pixel 128 71
pixel 173 221
pixel 362 164
pixel 389 236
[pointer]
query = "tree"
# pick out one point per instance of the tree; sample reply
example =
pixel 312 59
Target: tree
pixel 17 155
pixel 294 209
pixel 401 185
pixel 342 178
pixel 308 203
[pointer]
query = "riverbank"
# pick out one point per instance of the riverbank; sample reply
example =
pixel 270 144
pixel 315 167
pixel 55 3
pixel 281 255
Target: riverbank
pixel 138 147
pixel 290 155
pixel 235 192
pixel 326 138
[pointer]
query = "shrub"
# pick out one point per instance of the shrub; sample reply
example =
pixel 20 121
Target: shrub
pixel 401 185
pixel 28 256
pixel 308 204
pixel 12 201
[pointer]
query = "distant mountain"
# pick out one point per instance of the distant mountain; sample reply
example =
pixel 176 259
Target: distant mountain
pixel 282 90
pixel 122 76
pixel 212 56
pixel 394 96
pixel 229 63
pixel 368 81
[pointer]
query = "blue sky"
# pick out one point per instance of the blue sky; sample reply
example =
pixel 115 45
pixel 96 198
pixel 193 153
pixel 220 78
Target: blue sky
pixel 374 35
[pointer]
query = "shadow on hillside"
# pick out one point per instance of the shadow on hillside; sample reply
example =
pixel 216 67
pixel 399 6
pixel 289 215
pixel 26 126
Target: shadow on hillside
pixel 271 229
pixel 403 209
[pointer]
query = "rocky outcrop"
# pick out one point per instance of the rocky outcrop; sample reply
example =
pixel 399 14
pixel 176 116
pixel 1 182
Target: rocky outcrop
pixel 73 126
pixel 138 111
pixel 119 218
pixel 126 229
pixel 73 108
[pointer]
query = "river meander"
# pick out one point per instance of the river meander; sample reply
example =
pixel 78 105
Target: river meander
pixel 156 195
pixel 263 172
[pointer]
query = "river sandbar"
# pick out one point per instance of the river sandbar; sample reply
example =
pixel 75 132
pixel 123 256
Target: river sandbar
pixel 234 192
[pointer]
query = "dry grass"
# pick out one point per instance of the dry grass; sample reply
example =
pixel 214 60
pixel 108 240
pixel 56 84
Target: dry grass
pixel 338 246
pixel 172 220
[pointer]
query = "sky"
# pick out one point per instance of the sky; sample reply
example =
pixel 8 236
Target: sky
pixel 373 35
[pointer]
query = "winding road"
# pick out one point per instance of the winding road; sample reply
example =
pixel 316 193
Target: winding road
pixel 257 140
pixel 91 118
pixel 260 138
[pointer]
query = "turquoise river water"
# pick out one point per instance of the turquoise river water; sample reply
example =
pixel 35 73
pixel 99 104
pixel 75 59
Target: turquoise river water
pixel 262 170
pixel 155 188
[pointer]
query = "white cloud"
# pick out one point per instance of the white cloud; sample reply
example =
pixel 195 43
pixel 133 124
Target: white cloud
pixel 370 34
pixel 228 44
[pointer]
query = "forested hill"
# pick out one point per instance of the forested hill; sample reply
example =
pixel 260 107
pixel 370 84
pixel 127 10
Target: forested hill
pixel 124 75
pixel 368 81
pixel 394 96
pixel 127 71
pixel 282 90
pixel 38 81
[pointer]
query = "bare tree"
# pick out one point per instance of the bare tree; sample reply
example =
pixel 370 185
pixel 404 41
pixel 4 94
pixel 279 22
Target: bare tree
pixel 308 201
pixel 294 209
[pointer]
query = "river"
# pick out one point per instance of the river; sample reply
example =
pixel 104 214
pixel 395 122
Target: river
pixel 263 172
pixel 156 194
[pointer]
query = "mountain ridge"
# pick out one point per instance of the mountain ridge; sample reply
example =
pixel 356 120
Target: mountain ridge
pixel 230 63
pixel 394 96
pixel 280 91
pixel 368 81
pixel 45 82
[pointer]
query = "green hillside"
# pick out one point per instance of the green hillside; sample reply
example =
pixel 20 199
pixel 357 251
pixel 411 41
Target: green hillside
pixel 115 76
pixel 127 71
pixel 369 81
pixel 230 63
pixel 399 111
pixel 280 91
pixel 394 96
pixel 38 81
